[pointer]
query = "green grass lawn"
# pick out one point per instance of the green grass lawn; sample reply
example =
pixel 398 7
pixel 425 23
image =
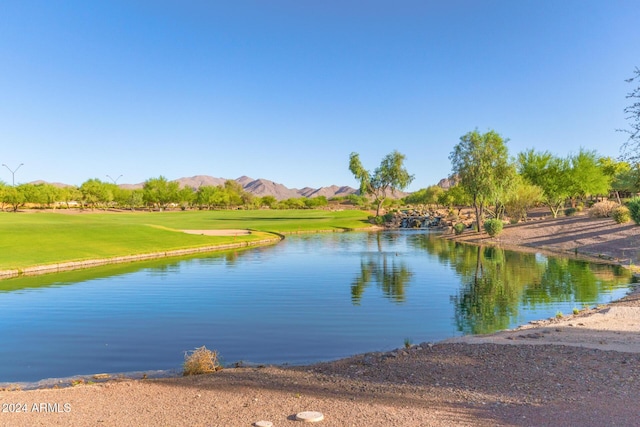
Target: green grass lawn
pixel 39 238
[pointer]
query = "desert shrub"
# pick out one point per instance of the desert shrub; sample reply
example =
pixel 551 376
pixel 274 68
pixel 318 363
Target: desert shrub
pixel 377 220
pixel 570 211
pixel 634 209
pixel 459 228
pixel 621 214
pixel 201 361
pixel 493 227
pixel 603 209
pixel 388 217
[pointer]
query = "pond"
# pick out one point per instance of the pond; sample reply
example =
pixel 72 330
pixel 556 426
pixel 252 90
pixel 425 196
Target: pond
pixel 310 298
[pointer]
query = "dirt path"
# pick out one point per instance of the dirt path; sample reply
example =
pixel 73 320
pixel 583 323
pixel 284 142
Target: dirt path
pixel 580 370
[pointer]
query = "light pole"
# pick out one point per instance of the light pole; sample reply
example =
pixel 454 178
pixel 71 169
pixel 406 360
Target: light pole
pixel 115 181
pixel 13 173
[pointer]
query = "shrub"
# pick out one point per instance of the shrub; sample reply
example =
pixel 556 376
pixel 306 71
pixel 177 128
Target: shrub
pixel 603 209
pixel 388 217
pixel 493 227
pixel 377 220
pixel 621 214
pixel 634 209
pixel 458 228
pixel 569 211
pixel 200 361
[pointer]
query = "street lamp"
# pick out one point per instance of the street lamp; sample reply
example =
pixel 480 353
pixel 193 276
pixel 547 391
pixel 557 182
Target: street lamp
pixel 13 173
pixel 115 181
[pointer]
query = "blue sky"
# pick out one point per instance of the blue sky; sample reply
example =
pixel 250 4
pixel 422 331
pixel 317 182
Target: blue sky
pixel 287 89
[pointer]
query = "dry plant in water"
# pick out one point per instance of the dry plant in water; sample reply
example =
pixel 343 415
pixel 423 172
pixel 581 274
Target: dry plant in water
pixel 200 361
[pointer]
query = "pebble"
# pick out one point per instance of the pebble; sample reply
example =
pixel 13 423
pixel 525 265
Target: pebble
pixel 263 424
pixel 310 416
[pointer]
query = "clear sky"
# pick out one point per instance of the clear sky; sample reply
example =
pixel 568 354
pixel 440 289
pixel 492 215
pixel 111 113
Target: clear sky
pixel 287 89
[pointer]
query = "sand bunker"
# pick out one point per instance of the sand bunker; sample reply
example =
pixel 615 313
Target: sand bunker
pixel 227 232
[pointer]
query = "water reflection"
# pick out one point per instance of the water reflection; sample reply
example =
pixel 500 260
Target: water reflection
pixel 155 268
pixel 390 276
pixel 496 285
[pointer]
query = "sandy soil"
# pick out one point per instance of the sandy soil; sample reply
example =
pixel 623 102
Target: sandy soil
pixel 580 370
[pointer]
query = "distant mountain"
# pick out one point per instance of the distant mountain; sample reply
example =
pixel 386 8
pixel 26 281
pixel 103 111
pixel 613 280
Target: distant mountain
pixel 264 187
pixel 446 183
pixel 200 181
pixel 260 187
pixel 55 184
pixel 333 191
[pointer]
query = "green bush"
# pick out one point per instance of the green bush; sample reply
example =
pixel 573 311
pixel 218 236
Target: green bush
pixel 634 209
pixel 493 227
pixel 621 215
pixel 458 228
pixel 377 220
pixel 569 211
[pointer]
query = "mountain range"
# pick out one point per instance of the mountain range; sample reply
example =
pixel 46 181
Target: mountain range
pixel 260 187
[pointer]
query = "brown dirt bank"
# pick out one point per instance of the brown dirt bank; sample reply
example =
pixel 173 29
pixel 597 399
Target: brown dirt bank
pixel 582 370
pixel 596 238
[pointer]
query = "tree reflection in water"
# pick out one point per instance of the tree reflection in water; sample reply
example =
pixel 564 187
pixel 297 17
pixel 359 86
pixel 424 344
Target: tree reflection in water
pixel 392 277
pixel 495 284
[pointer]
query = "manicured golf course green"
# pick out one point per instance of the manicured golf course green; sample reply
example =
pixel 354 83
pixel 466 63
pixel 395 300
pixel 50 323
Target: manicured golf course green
pixel 38 238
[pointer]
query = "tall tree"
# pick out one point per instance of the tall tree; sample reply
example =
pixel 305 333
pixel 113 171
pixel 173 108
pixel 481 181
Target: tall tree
pixel 481 163
pixel 425 196
pixel 390 176
pixel 631 148
pixel 522 197
pixel 548 172
pixel 615 170
pixel 95 192
pixel 456 197
pixel 70 194
pixel 160 192
pixel 15 196
pixel 586 176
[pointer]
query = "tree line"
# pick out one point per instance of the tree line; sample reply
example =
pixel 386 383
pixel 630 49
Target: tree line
pixel 156 194
pixel 486 178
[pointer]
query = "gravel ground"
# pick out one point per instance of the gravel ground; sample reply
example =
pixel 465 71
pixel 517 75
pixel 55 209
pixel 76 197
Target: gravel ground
pixel 580 370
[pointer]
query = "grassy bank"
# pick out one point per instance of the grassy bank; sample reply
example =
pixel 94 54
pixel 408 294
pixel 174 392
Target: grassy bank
pixel 41 238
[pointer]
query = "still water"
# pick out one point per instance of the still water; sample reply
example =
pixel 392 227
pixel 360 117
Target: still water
pixel 309 298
